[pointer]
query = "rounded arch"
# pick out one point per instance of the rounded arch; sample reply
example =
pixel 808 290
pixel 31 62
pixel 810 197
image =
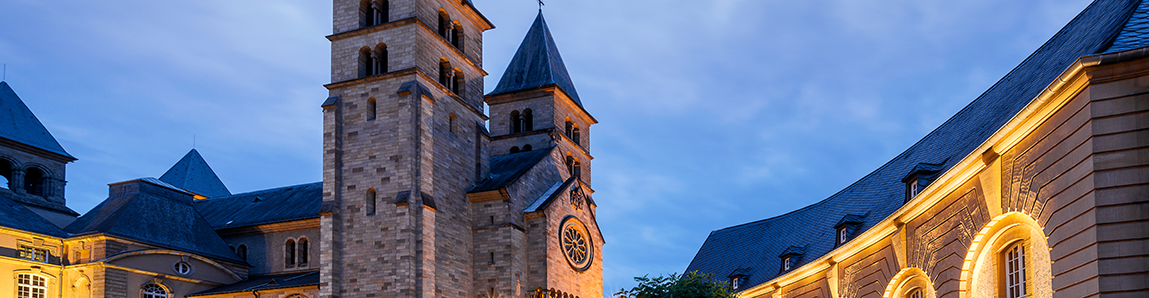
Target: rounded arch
pixel 516 122
pixel 514 149
pixel 372 109
pixel 7 165
pixel 155 289
pixel 365 62
pixel 35 180
pixel 527 147
pixel 82 288
pixel 303 250
pixel 379 59
pixel 528 120
pixel 909 280
pixel 183 254
pixel 982 269
pixel 289 253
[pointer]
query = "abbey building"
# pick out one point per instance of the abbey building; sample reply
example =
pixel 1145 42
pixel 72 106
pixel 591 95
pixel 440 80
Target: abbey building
pixel 423 194
pixel 1038 188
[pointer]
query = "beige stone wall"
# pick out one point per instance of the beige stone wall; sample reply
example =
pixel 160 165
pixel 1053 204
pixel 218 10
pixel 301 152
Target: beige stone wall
pixel 1070 188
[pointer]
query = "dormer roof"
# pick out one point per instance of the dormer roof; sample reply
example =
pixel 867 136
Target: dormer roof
pixel 17 123
pixel 536 64
pixel 193 174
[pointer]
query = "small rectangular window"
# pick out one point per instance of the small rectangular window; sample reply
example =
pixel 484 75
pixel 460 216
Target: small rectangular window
pixel 842 235
pixel 32 253
pixel 786 264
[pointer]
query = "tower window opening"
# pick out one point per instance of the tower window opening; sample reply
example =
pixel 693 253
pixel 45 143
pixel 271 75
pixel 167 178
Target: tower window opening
pixel 451 122
pixel 379 60
pixel 365 62
pixel 446 75
pixel 457 37
pixel 289 253
pixel 372 109
pixel 514 149
pixel 6 174
pixel 573 166
pixel 516 122
pixel 457 85
pixel 369 199
pixel 446 29
pixel 241 250
pixel 373 13
pixel 34 179
pixel 575 135
pixel 569 129
pixel 528 120
pixel 527 147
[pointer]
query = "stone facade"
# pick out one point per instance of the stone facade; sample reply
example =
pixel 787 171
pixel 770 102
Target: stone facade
pixel 1065 179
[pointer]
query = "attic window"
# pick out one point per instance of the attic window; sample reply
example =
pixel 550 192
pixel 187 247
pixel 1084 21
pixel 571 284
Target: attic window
pixel 734 282
pixel 786 263
pixel 842 236
pixel 847 227
pixel 791 257
pixel 33 253
pixel 919 177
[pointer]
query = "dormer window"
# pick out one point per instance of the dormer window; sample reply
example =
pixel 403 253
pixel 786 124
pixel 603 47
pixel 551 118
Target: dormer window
pixel 920 177
pixel 790 257
pixel 738 277
pixel 847 228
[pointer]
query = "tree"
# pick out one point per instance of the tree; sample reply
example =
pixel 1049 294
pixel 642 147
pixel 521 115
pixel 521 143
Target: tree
pixel 690 285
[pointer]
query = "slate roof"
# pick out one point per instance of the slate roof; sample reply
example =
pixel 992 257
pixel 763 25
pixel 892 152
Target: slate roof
pixel 758 244
pixel 15 216
pixel 536 64
pixel 17 123
pixel 156 213
pixel 505 169
pixel 274 205
pixel 193 174
pixel 266 282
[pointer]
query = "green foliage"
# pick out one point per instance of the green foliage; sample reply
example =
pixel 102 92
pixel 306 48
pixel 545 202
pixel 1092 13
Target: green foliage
pixel 690 285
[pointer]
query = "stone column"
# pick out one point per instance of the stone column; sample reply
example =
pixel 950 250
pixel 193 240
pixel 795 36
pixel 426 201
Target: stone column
pixel 17 182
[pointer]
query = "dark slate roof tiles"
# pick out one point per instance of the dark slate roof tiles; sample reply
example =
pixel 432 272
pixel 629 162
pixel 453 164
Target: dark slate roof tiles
pixel 537 63
pixel 266 282
pixel 505 169
pixel 193 174
pixel 282 204
pixel 15 216
pixel 17 123
pixel 1135 34
pixel 150 211
pixel 757 244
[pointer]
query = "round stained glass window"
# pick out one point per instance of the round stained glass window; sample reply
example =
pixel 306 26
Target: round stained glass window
pixel 575 243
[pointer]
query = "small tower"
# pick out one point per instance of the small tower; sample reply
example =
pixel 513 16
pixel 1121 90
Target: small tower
pixel 31 161
pixel 535 105
pixel 193 174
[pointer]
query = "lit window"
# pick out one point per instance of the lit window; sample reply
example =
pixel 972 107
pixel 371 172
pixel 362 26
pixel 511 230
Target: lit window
pixel 734 282
pixel 914 188
pixel 1015 271
pixel 31 286
pixel 842 235
pixel 916 293
pixel 786 263
pixel 153 291
pixel 32 253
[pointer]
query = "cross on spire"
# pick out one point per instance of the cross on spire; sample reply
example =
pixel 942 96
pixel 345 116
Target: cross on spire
pixel 541 4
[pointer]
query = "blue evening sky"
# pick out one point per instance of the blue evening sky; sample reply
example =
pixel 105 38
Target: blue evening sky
pixel 713 113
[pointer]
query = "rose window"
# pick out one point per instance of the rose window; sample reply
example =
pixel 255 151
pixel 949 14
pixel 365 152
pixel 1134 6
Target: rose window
pixel 576 245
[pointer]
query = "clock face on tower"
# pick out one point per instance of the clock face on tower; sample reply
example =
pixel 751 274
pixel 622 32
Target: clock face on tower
pixel 575 243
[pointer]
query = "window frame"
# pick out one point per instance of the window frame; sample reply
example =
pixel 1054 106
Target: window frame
pixel 144 291
pixel 33 253
pixel 1015 273
pixel 31 286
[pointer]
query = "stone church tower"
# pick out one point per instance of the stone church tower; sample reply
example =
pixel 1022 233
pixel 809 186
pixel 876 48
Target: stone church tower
pixel 419 199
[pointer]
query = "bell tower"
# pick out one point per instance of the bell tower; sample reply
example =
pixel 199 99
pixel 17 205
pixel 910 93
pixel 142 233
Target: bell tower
pixel 403 140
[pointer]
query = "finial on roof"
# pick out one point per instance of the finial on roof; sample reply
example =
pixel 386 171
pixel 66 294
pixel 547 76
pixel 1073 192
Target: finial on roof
pixel 541 4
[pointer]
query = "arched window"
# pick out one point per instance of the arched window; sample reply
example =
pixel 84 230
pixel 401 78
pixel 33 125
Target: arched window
pixel 372 13
pixel 445 26
pixel 289 253
pixel 31 286
pixel 303 250
pixel 1014 257
pixel 457 38
pixel 34 179
pixel 527 147
pixel 379 60
pixel 153 291
pixel 569 128
pixel 528 120
pixel 916 293
pixel 446 75
pixel 451 122
pixel 372 109
pixel 576 169
pixel 516 122
pixel 575 135
pixel 365 62
pixel 6 172
pixel 570 164
pixel 369 199
pixel 457 85
pixel 514 149
pixel 241 250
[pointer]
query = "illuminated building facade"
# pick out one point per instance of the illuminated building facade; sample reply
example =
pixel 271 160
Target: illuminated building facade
pixel 418 198
pixel 1038 188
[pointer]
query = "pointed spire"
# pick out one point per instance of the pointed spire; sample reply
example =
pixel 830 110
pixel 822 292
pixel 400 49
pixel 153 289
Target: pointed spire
pixel 193 174
pixel 17 123
pixel 537 63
